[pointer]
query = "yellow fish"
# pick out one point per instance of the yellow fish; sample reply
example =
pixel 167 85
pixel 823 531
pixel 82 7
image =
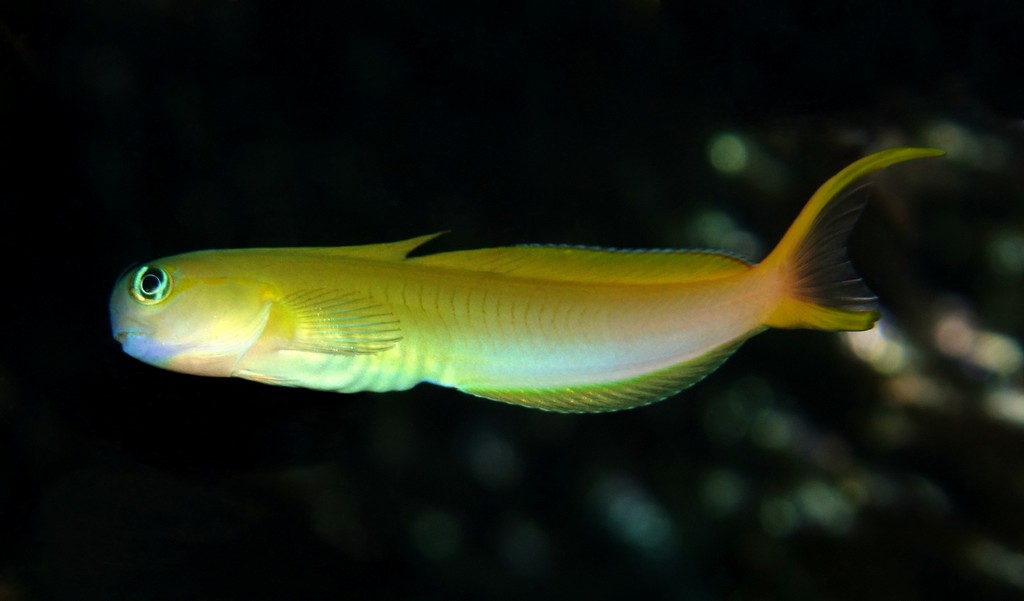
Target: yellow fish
pixel 561 328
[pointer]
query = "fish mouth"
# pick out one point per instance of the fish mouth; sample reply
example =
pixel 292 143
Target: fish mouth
pixel 140 344
pixel 126 335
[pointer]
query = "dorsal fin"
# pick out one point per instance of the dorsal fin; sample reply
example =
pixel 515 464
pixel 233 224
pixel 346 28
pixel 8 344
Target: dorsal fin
pixel 386 251
pixel 587 264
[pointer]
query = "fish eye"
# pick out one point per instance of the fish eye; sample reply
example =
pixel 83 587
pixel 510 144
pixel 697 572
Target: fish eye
pixel 150 285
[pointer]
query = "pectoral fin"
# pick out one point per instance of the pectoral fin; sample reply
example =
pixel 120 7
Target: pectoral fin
pixel 347 323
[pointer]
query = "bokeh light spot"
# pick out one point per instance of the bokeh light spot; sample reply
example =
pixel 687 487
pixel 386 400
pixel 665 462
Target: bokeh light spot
pixel 980 151
pixel 956 336
pixel 956 140
pixel 724 491
pixel 998 562
pixel 825 506
pixel 1006 405
pixel 715 229
pixel 728 154
pixel 880 347
pixel 632 515
pixel 1006 253
pixel 997 353
pixel 773 429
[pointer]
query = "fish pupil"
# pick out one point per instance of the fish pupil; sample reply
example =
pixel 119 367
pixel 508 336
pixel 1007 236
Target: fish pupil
pixel 151 283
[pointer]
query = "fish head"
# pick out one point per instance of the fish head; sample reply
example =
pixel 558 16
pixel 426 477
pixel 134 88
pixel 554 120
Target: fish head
pixel 187 318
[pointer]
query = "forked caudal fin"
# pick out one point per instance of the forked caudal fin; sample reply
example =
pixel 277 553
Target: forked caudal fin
pixel 822 291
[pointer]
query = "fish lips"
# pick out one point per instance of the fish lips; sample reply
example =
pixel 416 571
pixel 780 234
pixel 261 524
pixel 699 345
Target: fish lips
pixel 139 343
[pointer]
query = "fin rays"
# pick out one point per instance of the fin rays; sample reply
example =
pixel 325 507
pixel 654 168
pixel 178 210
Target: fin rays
pixel 329 321
pixel 823 290
pixel 591 265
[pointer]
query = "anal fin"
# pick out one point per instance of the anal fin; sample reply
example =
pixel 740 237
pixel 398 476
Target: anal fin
pixel 614 396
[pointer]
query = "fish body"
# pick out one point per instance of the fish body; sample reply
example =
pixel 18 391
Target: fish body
pixel 553 327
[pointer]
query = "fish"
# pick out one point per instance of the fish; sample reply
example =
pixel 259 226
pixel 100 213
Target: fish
pixel 560 328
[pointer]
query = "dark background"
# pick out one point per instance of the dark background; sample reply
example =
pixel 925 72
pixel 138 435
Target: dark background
pixel 811 466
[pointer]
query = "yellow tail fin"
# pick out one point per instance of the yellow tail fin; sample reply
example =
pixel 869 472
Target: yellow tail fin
pixel 822 289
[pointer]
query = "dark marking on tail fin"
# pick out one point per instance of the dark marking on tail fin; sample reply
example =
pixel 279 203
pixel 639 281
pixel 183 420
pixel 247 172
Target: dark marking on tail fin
pixel 821 288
